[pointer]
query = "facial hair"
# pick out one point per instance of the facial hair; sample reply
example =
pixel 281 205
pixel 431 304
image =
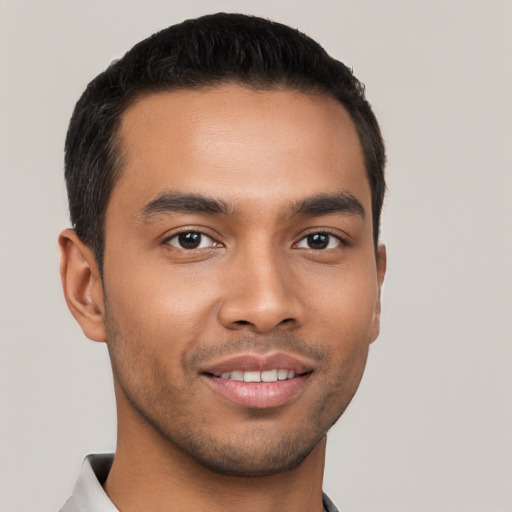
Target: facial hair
pixel 256 443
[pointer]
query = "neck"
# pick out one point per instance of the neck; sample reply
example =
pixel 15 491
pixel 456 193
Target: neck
pixel 149 473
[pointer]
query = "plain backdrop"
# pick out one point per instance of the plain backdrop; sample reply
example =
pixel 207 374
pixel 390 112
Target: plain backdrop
pixel 430 428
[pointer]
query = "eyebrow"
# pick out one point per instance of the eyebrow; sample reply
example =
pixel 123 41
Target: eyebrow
pixel 318 205
pixel 327 204
pixel 178 202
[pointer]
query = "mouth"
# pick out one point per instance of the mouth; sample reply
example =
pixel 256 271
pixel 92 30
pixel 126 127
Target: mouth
pixel 257 381
pixel 256 376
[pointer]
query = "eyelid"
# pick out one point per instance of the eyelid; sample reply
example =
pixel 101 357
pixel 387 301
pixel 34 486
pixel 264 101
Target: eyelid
pixel 343 240
pixel 201 231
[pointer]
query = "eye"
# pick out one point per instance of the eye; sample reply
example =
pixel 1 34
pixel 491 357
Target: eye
pixel 189 240
pixel 319 241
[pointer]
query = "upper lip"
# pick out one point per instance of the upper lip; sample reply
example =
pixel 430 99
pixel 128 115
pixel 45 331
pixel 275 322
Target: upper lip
pixel 259 362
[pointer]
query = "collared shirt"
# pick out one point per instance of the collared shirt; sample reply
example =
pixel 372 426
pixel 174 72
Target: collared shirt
pixel 89 496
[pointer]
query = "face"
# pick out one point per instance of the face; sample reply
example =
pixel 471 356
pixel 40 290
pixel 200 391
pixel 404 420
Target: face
pixel 241 281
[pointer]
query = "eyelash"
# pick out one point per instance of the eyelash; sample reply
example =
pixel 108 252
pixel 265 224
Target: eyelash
pixel 214 243
pixel 189 232
pixel 339 240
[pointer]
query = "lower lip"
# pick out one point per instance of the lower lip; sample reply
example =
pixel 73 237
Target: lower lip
pixel 259 394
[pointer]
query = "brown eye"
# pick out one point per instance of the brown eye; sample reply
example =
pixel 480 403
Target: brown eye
pixel 191 240
pixel 319 241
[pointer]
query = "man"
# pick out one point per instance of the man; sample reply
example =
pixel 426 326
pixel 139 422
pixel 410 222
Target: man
pixel 225 181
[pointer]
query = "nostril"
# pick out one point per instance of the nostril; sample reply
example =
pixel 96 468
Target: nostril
pixel 246 322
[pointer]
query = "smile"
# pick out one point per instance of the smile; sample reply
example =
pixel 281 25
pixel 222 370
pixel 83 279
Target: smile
pixel 259 381
pixel 265 376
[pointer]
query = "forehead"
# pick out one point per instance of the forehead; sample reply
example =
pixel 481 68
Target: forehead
pixel 239 143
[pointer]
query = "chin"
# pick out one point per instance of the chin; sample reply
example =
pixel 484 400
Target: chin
pixel 246 451
pixel 252 459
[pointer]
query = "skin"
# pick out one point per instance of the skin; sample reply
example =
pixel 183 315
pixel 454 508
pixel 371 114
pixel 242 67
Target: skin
pixel 256 285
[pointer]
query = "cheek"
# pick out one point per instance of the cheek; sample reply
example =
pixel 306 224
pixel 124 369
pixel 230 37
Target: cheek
pixel 345 315
pixel 346 302
pixel 166 304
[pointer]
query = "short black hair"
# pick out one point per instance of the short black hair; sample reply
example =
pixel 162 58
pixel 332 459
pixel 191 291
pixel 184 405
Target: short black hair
pixel 211 50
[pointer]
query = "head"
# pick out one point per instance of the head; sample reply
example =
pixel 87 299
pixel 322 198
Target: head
pixel 212 50
pixel 225 181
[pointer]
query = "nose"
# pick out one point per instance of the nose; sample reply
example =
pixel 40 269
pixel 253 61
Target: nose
pixel 262 293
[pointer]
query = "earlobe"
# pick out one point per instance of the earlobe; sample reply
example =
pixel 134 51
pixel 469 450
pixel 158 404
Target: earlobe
pixel 381 262
pixel 82 286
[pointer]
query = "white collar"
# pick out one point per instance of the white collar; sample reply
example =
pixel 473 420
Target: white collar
pixel 89 496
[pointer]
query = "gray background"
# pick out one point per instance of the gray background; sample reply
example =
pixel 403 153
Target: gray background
pixel 431 426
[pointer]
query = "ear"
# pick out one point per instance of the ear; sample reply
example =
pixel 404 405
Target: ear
pixel 381 262
pixel 82 286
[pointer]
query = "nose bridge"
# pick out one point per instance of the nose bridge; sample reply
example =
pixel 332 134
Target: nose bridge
pixel 261 291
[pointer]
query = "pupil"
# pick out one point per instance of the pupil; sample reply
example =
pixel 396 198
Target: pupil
pixel 189 240
pixel 318 240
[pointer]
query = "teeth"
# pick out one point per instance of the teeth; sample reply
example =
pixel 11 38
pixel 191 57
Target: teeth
pixel 269 376
pixel 282 374
pixel 266 376
pixel 252 376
